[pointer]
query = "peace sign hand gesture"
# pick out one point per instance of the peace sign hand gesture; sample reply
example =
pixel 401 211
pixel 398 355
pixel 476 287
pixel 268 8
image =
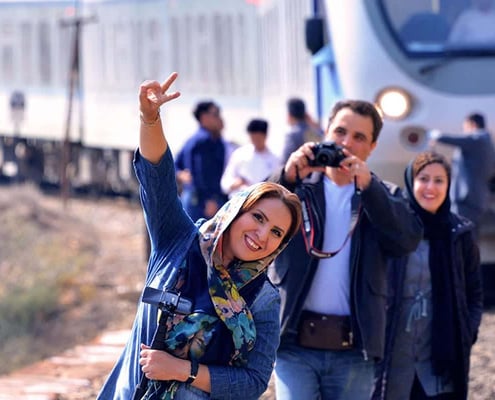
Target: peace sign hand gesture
pixel 152 95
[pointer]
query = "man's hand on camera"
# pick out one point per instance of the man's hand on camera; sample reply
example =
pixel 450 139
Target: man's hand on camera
pixel 357 170
pixel 298 163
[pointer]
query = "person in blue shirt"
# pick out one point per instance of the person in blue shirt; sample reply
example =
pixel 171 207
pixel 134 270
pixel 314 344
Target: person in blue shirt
pixel 302 128
pixel 225 347
pixel 201 162
pixel 473 164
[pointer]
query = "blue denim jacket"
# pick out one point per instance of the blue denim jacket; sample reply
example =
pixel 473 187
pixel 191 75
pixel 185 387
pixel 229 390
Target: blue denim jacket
pixel 172 232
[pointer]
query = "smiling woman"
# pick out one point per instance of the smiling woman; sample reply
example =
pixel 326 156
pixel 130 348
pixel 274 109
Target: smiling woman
pixel 431 186
pixel 224 344
pixel 263 223
pixel 436 307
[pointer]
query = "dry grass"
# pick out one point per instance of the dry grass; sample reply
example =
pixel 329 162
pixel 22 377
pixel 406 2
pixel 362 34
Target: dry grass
pixel 55 285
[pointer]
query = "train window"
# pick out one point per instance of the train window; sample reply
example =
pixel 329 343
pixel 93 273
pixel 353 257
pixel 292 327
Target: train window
pixel 154 41
pixel 440 26
pixel 6 52
pixel 7 63
pixel 242 70
pixel 298 62
pixel 175 47
pixel 45 53
pixel 6 28
pixel 120 36
pixel 27 60
pixel 219 60
pixel 64 56
pixel 271 42
pixel 186 66
pixel 203 50
pixel 229 56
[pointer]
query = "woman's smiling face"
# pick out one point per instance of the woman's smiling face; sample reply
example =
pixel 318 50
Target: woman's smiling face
pixel 258 232
pixel 430 187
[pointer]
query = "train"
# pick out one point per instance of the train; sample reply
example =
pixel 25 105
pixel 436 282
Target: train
pixel 70 72
pixel 401 56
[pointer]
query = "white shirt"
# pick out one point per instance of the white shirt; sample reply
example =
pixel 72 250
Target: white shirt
pixel 250 165
pixel 329 293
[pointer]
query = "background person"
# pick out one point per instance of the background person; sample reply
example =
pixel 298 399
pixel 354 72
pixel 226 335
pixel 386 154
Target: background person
pixel 201 162
pixel 302 128
pixel 225 348
pixel 473 164
pixel 436 302
pixel 250 163
pixel 333 308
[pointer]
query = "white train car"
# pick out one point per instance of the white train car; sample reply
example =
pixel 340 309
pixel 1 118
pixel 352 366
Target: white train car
pixel 390 52
pixel 400 56
pixel 66 76
pixel 120 44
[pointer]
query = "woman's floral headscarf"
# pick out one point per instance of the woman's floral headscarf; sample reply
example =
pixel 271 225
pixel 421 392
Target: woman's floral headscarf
pixel 189 335
pixel 224 284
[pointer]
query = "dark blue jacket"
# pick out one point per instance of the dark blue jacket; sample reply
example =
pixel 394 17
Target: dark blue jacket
pixel 205 158
pixel 473 164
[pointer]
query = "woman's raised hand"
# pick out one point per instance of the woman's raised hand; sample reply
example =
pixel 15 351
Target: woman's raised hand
pixel 152 95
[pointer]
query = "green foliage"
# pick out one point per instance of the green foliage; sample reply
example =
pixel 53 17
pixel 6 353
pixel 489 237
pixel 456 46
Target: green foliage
pixel 22 309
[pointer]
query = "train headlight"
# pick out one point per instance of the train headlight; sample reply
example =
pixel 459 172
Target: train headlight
pixel 395 103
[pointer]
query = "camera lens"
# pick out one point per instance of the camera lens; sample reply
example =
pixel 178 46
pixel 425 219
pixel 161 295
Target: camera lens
pixel 323 159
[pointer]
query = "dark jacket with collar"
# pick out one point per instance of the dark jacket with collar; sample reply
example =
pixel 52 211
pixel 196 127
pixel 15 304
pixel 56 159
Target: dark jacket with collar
pixel 468 303
pixel 473 164
pixel 386 228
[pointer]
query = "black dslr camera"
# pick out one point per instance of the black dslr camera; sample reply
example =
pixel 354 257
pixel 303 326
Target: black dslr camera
pixel 327 154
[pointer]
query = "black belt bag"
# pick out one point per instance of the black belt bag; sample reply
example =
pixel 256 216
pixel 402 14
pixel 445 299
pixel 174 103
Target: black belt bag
pixel 325 332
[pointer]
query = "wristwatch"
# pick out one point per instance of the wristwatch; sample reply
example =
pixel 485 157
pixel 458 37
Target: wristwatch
pixel 194 371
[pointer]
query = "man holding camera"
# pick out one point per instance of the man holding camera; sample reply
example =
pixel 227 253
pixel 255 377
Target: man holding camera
pixel 332 275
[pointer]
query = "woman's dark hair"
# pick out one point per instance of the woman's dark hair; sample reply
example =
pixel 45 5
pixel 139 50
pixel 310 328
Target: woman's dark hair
pixel 427 158
pixel 270 190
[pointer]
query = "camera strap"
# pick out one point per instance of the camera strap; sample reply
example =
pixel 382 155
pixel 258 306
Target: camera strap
pixel 308 231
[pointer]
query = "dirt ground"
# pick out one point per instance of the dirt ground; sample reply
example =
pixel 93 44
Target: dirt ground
pixel 103 296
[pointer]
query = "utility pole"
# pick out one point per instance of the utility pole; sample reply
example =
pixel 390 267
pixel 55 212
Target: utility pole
pixel 74 82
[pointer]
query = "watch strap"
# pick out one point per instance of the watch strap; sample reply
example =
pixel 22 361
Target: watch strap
pixel 194 371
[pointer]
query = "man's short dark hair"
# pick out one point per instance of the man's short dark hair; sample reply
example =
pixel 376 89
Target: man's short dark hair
pixel 296 108
pixel 203 107
pixel 477 119
pixel 257 125
pixel 363 108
